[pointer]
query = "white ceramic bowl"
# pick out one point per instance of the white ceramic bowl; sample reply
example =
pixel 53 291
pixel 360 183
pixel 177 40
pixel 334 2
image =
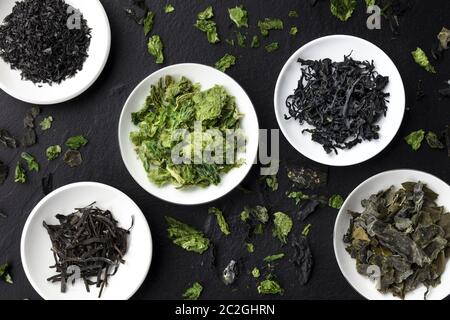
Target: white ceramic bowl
pixel 207 77
pixel 25 90
pixel 363 284
pixel 335 47
pixel 35 244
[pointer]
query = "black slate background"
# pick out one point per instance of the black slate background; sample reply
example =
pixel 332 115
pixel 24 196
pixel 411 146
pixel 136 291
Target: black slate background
pixel 96 114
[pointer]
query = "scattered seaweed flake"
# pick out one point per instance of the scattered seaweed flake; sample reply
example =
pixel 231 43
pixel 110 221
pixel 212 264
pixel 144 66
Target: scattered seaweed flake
pixel 307 178
pixel 230 273
pixel 73 158
pixel 194 292
pixel 47 184
pixel 342 101
pixel 7 140
pixel 29 138
pixel 303 259
pixel 403 233
pixel 186 236
pixel 88 239
pixel 308 208
pixel 44 40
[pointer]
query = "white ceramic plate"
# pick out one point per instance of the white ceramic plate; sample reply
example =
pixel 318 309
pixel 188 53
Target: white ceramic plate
pixel 95 15
pixel 35 244
pixel 207 77
pixel 335 47
pixel 363 284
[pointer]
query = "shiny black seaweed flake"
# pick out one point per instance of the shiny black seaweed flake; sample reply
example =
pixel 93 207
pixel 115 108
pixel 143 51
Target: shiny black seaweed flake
pixel 36 39
pixel 342 101
pixel 7 140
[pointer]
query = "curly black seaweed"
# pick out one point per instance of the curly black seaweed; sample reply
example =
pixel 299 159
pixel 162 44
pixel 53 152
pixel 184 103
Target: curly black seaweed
pixel 342 101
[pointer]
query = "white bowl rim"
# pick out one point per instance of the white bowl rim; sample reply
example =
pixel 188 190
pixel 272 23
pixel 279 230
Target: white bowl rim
pixel 18 95
pixel 121 119
pixel 65 188
pixel 295 55
pixel 374 177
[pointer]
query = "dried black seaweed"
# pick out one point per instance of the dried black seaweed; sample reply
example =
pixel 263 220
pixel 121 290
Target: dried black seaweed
pixel 404 234
pixel 342 101
pixel 30 116
pixel 73 158
pixel 303 259
pixel 89 240
pixel 47 40
pixel 7 140
pixel 29 138
pixel 47 184
pixel 307 208
pixel 137 11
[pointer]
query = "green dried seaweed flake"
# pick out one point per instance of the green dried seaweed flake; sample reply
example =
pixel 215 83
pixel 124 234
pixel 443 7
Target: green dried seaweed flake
pixel 282 226
pixel 155 47
pixel 31 161
pixel 269 287
pixel 271 47
pixel 414 139
pixel 250 247
pixel 4 273
pixel 240 39
pixel 274 257
pixel 194 292
pixel 255 42
pixel 269 24
pixel 76 142
pixel 46 123
pixel 226 62
pixel 168 8
pixel 306 230
pixel 293 31
pixel 433 141
pixel 335 201
pixel 256 273
pixel 342 9
pixel 420 57
pixel 206 24
pixel 221 221
pixel 148 22
pixel 297 196
pixel 53 152
pixel 186 236
pixel 20 176
pixel 239 16
pixel 293 14
pixel 272 182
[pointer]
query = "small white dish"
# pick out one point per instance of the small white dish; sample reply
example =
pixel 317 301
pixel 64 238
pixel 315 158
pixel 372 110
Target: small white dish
pixel 207 77
pixel 24 90
pixel 382 181
pixel 335 47
pixel 35 243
